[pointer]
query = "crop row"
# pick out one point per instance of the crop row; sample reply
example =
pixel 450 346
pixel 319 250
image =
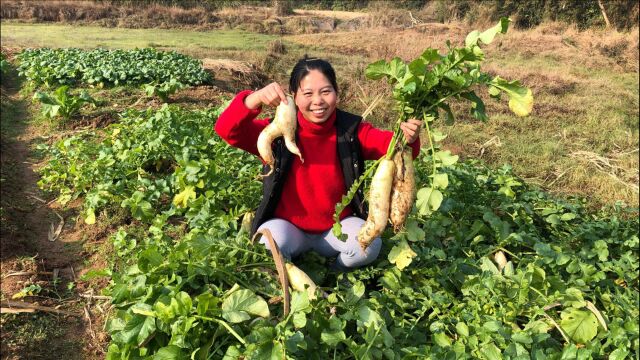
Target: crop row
pixel 103 67
pixel 188 283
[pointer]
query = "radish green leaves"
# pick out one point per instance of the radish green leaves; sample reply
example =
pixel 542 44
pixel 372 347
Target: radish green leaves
pixel 423 88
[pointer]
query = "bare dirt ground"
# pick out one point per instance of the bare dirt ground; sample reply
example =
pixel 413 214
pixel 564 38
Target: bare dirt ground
pixel 39 270
pixel 339 15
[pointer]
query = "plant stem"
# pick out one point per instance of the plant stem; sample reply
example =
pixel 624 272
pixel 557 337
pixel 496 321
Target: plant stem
pixel 223 323
pixel 242 249
pixel 371 343
pixel 430 137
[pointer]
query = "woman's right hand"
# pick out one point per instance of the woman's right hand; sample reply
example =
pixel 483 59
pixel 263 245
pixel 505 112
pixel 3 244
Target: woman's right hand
pixel 270 95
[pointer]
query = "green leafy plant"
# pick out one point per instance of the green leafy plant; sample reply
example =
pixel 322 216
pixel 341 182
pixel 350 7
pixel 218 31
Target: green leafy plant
pixel 423 88
pixel 164 90
pixel 103 67
pixel 62 103
pixel 173 274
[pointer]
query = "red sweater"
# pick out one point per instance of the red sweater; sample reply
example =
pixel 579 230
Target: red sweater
pixel 313 188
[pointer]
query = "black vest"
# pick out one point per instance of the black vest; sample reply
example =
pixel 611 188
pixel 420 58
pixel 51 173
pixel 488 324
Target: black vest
pixel 351 162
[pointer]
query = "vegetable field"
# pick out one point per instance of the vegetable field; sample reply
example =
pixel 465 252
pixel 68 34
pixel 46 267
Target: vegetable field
pixel 487 266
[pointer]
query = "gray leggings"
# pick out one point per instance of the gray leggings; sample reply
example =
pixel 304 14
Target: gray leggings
pixel 293 242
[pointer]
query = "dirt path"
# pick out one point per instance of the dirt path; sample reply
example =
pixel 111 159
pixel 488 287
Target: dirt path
pixel 50 269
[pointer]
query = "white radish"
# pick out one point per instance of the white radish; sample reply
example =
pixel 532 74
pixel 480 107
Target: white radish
pixel 379 199
pixel 300 281
pixel 403 192
pixel 284 124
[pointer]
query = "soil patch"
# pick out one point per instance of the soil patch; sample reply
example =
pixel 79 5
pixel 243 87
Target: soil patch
pixel 38 266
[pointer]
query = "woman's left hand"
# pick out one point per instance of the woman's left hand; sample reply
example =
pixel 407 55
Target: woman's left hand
pixel 411 130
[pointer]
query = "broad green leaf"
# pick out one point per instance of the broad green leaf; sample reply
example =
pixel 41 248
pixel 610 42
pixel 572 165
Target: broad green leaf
pixel 394 69
pixel 369 317
pixel 440 181
pixel 355 292
pixel 488 265
pixel 401 255
pixel 619 354
pixel 441 339
pixel 428 200
pixel 206 302
pixel 430 56
pixel 520 98
pixel 490 352
pixel 52 111
pixel 232 353
pixel 143 309
pixel 538 327
pixel 242 303
pixel 477 105
pixel 182 303
pixel 581 326
pixel 573 297
pixel 299 302
pixel 414 231
pixel 129 334
pixel 446 158
pixel 332 337
pixel 488 35
pixel 377 70
pixel 397 68
pixel 181 199
pixel 522 337
pixel 417 68
pixel 334 334
pixel 147 330
pixel 462 329
pixel 472 39
pixel 438 136
pixel 601 248
pixel 149 258
pixel 171 352
pixel 299 320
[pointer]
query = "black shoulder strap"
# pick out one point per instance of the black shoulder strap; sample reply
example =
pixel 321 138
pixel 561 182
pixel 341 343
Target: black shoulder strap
pixel 350 154
pixel 272 184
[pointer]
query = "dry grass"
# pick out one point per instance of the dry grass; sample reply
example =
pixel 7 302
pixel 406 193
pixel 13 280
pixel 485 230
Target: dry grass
pixel 340 15
pixel 586 101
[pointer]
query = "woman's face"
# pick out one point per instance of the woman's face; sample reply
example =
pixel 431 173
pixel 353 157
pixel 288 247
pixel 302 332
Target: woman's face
pixel 316 98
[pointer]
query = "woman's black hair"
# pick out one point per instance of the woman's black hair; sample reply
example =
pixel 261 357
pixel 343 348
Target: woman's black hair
pixel 306 64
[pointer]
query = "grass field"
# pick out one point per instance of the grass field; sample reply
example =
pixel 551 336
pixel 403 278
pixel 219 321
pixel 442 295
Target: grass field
pixel 199 44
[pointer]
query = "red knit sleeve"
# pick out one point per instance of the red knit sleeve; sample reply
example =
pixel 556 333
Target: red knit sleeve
pixel 238 125
pixel 374 142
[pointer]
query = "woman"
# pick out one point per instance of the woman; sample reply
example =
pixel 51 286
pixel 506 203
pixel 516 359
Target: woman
pixel 299 198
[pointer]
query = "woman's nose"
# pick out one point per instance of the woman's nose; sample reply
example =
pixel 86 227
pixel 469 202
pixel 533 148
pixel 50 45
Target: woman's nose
pixel 317 99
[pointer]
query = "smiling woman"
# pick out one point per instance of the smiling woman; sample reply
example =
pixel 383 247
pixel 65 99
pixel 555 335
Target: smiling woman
pixel 318 95
pixel 299 197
